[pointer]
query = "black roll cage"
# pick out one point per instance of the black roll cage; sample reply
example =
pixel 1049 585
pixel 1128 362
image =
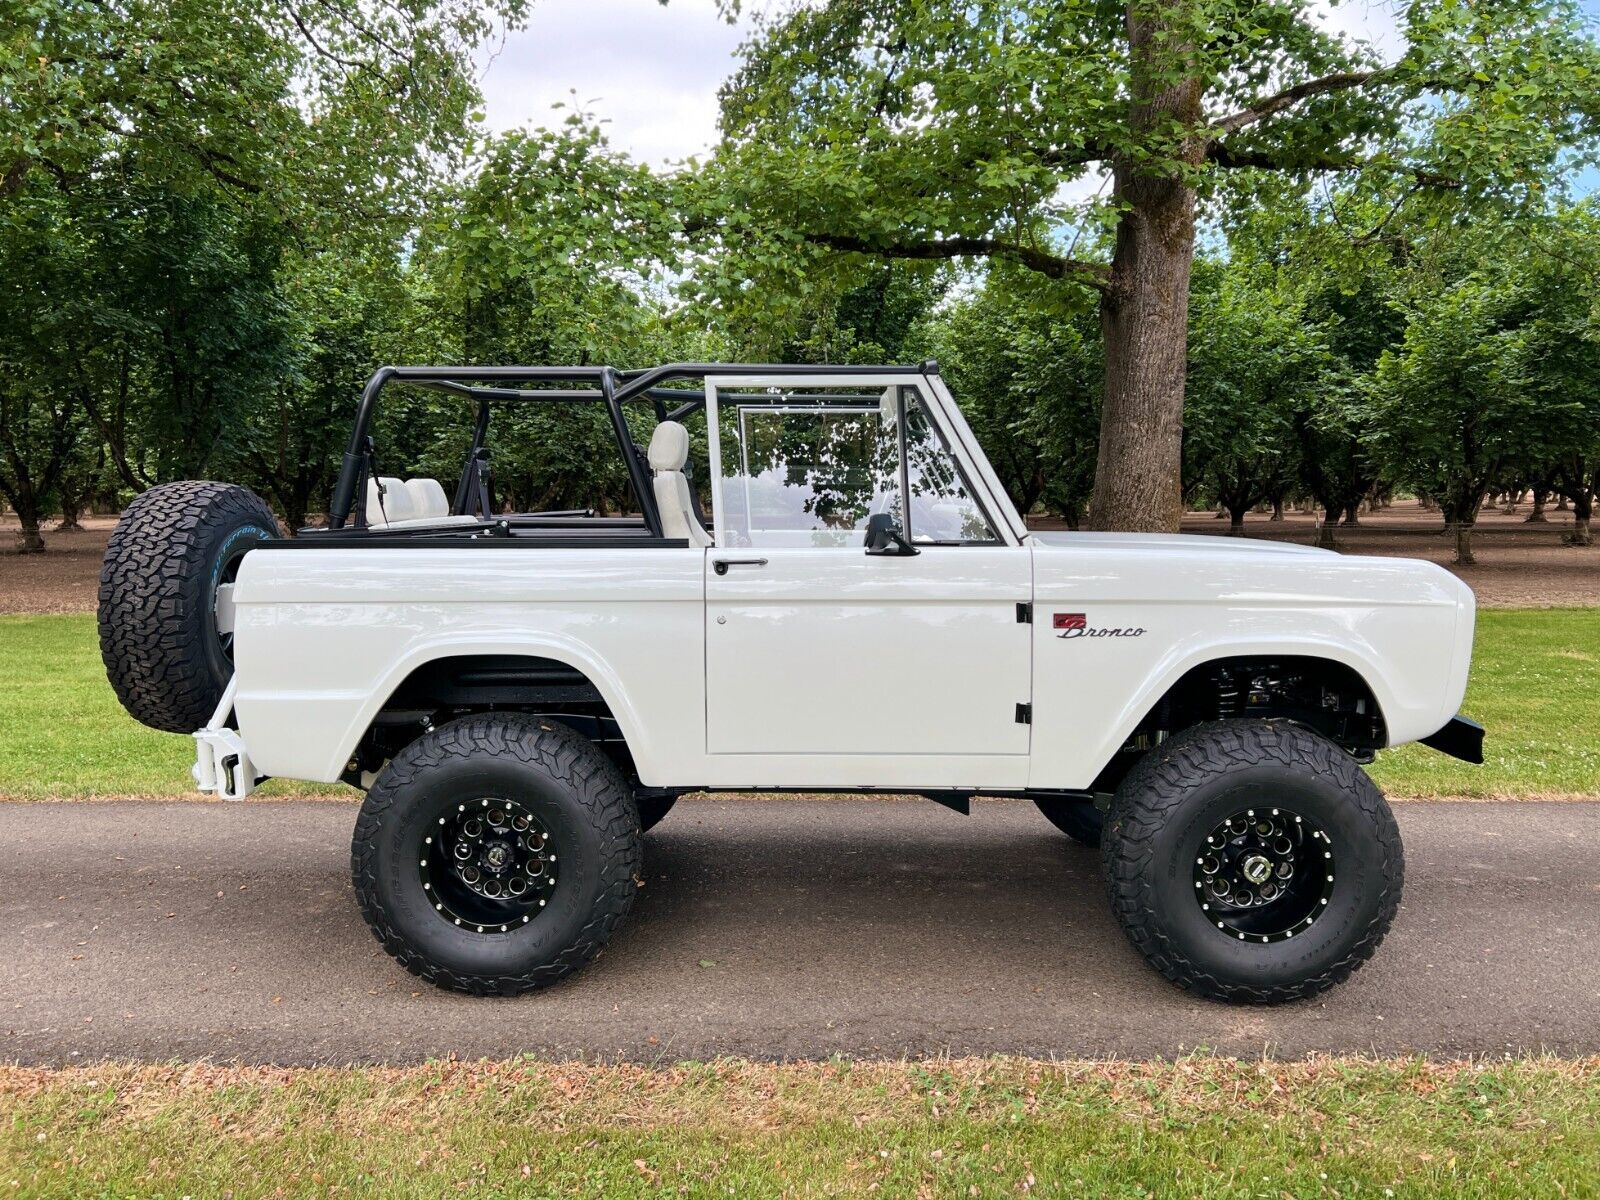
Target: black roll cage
pixel 606 385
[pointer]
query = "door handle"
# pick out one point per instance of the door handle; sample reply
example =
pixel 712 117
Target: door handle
pixel 721 565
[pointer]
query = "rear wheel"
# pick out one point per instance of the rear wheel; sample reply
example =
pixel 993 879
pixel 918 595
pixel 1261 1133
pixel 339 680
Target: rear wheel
pixel 1252 861
pixel 496 854
pixel 165 631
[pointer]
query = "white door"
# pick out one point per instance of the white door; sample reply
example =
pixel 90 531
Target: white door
pixel 814 646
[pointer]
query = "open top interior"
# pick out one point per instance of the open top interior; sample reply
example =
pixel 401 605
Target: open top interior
pixel 780 454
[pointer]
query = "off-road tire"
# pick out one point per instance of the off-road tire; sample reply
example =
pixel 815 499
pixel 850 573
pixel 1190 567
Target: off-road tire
pixel 1175 794
pixel 1080 820
pixel 158 586
pixel 552 771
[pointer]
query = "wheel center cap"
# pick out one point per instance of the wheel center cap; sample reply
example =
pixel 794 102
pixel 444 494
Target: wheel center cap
pixel 497 855
pixel 1257 869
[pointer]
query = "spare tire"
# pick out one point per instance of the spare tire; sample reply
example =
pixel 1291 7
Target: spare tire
pixel 164 654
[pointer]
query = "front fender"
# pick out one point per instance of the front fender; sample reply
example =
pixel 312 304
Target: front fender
pixel 1091 693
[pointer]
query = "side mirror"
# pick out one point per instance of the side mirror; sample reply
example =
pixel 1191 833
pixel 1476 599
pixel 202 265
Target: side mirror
pixel 884 538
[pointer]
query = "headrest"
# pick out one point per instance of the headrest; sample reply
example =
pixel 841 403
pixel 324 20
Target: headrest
pixel 669 447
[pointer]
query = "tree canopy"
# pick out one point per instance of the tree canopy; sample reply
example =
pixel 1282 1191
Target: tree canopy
pixel 1183 252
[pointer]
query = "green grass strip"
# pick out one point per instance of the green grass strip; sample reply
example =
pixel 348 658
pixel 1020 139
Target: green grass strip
pixel 1198 1127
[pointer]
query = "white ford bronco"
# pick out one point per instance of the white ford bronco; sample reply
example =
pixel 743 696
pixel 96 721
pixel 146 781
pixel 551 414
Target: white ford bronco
pixel 822 587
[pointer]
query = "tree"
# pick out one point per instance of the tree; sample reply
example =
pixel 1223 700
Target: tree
pixel 942 130
pixel 1332 423
pixel 1453 407
pixel 553 250
pixel 41 378
pixel 1255 360
pixel 1559 349
pixel 1023 359
pixel 172 152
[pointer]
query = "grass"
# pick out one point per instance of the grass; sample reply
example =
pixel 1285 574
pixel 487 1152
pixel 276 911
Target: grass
pixel 62 731
pixel 1535 688
pixel 977 1127
pixel 1535 684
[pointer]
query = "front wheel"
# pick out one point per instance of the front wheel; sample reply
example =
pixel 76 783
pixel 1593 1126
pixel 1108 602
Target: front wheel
pixel 496 854
pixel 1252 861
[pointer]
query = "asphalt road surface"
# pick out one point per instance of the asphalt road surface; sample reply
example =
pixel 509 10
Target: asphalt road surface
pixel 779 928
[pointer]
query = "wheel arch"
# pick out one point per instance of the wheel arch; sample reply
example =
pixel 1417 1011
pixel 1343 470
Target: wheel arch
pixel 1187 693
pixel 536 650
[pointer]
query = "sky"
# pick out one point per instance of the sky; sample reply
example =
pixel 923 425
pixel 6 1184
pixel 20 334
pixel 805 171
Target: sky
pixel 652 72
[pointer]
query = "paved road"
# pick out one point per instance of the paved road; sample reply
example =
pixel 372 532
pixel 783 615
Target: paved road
pixel 770 928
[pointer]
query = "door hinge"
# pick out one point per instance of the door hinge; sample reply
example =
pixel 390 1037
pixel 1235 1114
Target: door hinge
pixel 1024 613
pixel 1024 714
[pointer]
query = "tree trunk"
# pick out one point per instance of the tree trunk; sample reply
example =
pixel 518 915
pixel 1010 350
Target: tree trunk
pixel 1325 538
pixel 71 509
pixel 1463 535
pixel 1582 510
pixel 1144 311
pixel 1540 495
pixel 1236 520
pixel 1277 508
pixel 1145 320
pixel 1352 514
pixel 30 516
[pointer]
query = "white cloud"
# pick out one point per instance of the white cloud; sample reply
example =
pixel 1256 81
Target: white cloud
pixel 1376 22
pixel 653 71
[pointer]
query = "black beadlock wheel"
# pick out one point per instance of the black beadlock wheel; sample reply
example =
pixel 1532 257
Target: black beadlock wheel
pixel 496 854
pixel 1080 820
pixel 1252 861
pixel 164 652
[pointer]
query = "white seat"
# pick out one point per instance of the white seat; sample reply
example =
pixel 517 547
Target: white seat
pixel 428 498
pixel 669 450
pixel 410 504
pixel 388 501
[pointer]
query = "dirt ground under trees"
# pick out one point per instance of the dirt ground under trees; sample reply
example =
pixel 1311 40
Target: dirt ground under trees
pixel 1520 565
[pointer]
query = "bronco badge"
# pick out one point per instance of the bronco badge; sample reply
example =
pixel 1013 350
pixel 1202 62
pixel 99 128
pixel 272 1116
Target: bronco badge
pixel 1076 625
